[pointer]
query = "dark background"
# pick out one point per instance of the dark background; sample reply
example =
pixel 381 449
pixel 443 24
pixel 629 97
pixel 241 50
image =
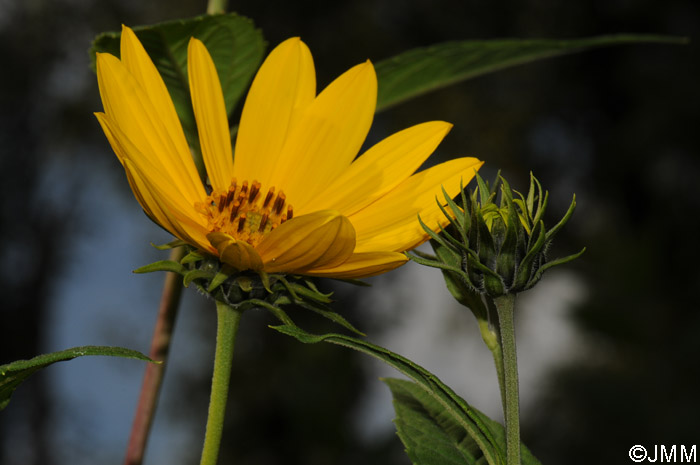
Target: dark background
pixel 617 126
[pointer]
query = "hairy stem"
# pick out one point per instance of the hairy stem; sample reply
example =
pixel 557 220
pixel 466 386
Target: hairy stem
pixel 505 305
pixel 228 319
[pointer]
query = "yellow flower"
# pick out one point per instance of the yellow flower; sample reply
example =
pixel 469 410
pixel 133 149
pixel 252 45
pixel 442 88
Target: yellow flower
pixel 291 200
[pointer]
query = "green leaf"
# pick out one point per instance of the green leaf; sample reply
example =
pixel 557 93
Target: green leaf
pixel 432 437
pixel 13 374
pixel 452 405
pixel 429 437
pixel 422 70
pixel 233 42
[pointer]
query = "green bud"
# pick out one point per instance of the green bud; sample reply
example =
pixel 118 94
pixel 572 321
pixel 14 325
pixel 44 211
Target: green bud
pixel 496 242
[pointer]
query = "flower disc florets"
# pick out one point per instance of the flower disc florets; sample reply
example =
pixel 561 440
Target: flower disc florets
pixel 244 212
pixel 496 245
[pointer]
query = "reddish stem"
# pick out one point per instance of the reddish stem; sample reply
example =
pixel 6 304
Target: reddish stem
pixel 153 378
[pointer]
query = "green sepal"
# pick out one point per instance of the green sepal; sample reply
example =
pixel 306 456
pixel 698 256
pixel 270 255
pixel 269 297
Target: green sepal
pixel 453 226
pixel 219 278
pixel 460 216
pixel 309 291
pixel 506 261
pixel 438 264
pixel 273 308
pixel 169 245
pixel 244 283
pixel 559 261
pixel 14 373
pixel 484 191
pixel 487 248
pixel 432 234
pixel 530 201
pixel 265 279
pixel 474 263
pixel 494 285
pixel 162 265
pixel 192 257
pixel 426 256
pixel 459 284
pixel 542 200
pixel 196 274
pixel 552 232
pixel 525 268
pixel 473 233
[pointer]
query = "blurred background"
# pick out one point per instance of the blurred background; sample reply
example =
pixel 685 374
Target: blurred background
pixel 609 348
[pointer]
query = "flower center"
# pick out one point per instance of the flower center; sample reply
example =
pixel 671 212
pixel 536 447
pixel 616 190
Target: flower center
pixel 244 213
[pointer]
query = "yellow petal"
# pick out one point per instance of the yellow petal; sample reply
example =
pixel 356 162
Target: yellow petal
pixel 328 135
pixel 238 254
pixel 391 222
pixel 139 64
pixel 210 113
pixel 156 193
pixel 381 168
pixel 127 104
pixel 284 86
pixel 146 202
pixel 362 265
pixel 319 239
pixel 178 224
pixel 126 150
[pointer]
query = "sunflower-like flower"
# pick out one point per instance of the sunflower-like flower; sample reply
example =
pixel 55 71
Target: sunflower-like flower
pixel 291 200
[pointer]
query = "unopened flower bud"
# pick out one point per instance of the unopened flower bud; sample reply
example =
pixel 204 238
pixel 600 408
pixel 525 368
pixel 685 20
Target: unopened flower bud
pixel 495 244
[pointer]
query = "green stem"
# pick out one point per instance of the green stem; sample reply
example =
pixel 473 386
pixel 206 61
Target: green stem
pixel 492 340
pixel 494 344
pixel 215 7
pixel 505 305
pixel 227 327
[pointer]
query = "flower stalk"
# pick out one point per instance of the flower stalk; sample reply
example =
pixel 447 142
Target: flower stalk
pixel 228 319
pixel 505 306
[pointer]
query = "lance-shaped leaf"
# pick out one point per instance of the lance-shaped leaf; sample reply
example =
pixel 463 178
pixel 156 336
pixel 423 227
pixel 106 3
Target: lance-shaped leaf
pixel 13 374
pixel 430 434
pixel 461 413
pixel 422 70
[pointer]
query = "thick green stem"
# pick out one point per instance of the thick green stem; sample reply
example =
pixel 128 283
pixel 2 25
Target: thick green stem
pixel 505 305
pixel 227 327
pixel 215 7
